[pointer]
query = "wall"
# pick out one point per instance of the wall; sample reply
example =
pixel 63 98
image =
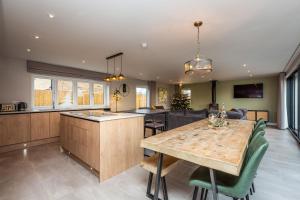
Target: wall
pixel 201 95
pixel 171 91
pixel 128 102
pixel 15 82
pixel 15 85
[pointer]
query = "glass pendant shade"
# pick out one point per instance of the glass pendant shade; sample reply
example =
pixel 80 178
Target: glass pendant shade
pixel 199 63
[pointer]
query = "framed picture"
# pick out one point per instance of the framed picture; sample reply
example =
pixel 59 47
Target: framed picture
pixel 162 95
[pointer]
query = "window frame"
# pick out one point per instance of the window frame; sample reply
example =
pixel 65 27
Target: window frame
pixel 54 84
pixel 147 94
pixel 56 91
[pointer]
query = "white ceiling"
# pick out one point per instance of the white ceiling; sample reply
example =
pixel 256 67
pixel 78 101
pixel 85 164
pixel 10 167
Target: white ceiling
pixel 261 33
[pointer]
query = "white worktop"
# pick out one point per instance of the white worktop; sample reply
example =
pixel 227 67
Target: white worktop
pixel 100 116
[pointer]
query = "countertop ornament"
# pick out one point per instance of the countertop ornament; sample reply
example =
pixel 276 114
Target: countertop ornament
pixel 219 119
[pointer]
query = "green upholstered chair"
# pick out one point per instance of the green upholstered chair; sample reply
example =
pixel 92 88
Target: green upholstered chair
pixel 234 186
pixel 258 131
pixel 259 123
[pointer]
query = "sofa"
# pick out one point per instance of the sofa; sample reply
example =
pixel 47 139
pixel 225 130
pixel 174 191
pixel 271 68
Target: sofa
pixel 181 118
pixel 237 113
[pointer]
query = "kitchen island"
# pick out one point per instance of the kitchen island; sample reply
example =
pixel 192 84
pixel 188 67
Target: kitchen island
pixel 109 143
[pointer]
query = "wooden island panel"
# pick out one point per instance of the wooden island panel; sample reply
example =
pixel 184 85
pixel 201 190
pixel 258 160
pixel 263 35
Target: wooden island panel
pixel 120 145
pixel 81 138
pixel 217 148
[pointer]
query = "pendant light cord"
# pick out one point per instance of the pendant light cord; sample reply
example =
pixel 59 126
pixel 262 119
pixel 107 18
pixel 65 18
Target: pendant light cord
pixel 121 64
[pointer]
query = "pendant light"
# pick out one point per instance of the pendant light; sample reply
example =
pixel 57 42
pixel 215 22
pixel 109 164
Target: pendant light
pixel 107 78
pixel 121 76
pixel 114 77
pixel 199 63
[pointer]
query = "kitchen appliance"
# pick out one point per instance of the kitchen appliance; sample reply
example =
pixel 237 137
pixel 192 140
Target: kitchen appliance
pixel 22 106
pixel 8 107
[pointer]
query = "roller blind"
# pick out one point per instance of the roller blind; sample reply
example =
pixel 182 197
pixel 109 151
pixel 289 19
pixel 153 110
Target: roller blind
pixel 58 70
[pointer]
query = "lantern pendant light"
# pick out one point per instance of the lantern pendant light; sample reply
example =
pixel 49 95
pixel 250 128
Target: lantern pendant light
pixel 199 63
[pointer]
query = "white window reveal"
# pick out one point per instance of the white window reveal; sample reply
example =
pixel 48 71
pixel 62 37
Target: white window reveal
pixel 60 92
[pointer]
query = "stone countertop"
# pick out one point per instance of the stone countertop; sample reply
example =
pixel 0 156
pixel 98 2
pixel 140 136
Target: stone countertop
pixel 49 110
pixel 222 148
pixel 100 116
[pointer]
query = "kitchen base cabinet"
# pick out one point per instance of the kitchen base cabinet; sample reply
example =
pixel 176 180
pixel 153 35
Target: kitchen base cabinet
pixel 109 147
pixel 54 124
pixel 81 138
pixel 39 126
pixel 14 129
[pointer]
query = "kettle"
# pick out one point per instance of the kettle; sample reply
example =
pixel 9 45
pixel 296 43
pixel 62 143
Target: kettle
pixel 22 106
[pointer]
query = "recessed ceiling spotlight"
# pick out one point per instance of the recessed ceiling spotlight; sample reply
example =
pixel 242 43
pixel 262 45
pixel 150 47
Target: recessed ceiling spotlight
pixel 170 81
pixel 157 77
pixel 51 16
pixel 244 65
pixel 248 71
pixel 210 79
pixel 141 74
pixel 144 45
pixel 202 76
pixel 36 37
pixel 250 75
pixel 83 61
pixel 28 50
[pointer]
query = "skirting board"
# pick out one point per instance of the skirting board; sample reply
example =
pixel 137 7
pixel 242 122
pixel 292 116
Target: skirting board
pixel 25 145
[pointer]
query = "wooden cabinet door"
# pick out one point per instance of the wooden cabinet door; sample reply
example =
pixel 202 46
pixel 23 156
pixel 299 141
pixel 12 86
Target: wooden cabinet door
pixel 14 129
pixel 40 128
pixel 263 114
pixel 54 124
pixel 251 115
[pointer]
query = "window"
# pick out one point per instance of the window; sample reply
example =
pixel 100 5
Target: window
pixel 64 93
pixel 42 88
pixel 142 97
pixel 52 92
pixel 83 93
pixel 187 92
pixel 98 94
pixel 293 103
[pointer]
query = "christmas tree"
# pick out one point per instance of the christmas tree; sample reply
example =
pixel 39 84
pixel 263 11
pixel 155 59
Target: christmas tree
pixel 180 102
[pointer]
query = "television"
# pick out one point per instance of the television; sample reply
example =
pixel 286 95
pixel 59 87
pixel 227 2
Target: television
pixel 248 91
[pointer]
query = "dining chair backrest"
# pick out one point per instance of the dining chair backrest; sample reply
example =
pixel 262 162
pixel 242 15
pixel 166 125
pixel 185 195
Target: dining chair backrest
pixel 259 123
pixel 254 155
pixel 258 132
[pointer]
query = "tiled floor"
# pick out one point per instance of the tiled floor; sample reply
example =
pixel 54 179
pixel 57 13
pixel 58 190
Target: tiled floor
pixel 44 173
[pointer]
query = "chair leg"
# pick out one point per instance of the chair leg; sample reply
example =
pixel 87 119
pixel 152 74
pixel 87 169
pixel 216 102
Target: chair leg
pixel 148 194
pixel 202 193
pixel 251 191
pixel 164 188
pixel 205 196
pixel 195 194
pixel 233 198
pixel 253 188
pixel 247 197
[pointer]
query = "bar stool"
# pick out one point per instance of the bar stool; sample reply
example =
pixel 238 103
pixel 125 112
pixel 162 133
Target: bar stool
pixel 154 126
pixel 150 164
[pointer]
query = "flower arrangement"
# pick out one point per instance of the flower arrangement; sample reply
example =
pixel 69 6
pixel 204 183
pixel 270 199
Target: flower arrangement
pixel 219 119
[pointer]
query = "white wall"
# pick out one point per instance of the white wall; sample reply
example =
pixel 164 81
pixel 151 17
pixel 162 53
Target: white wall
pixel 15 82
pixel 15 85
pixel 128 102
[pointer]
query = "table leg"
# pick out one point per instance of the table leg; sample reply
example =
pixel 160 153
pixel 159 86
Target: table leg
pixel 166 121
pixel 213 184
pixel 158 174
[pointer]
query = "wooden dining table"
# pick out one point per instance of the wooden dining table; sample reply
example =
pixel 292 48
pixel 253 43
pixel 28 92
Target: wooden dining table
pixel 221 148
